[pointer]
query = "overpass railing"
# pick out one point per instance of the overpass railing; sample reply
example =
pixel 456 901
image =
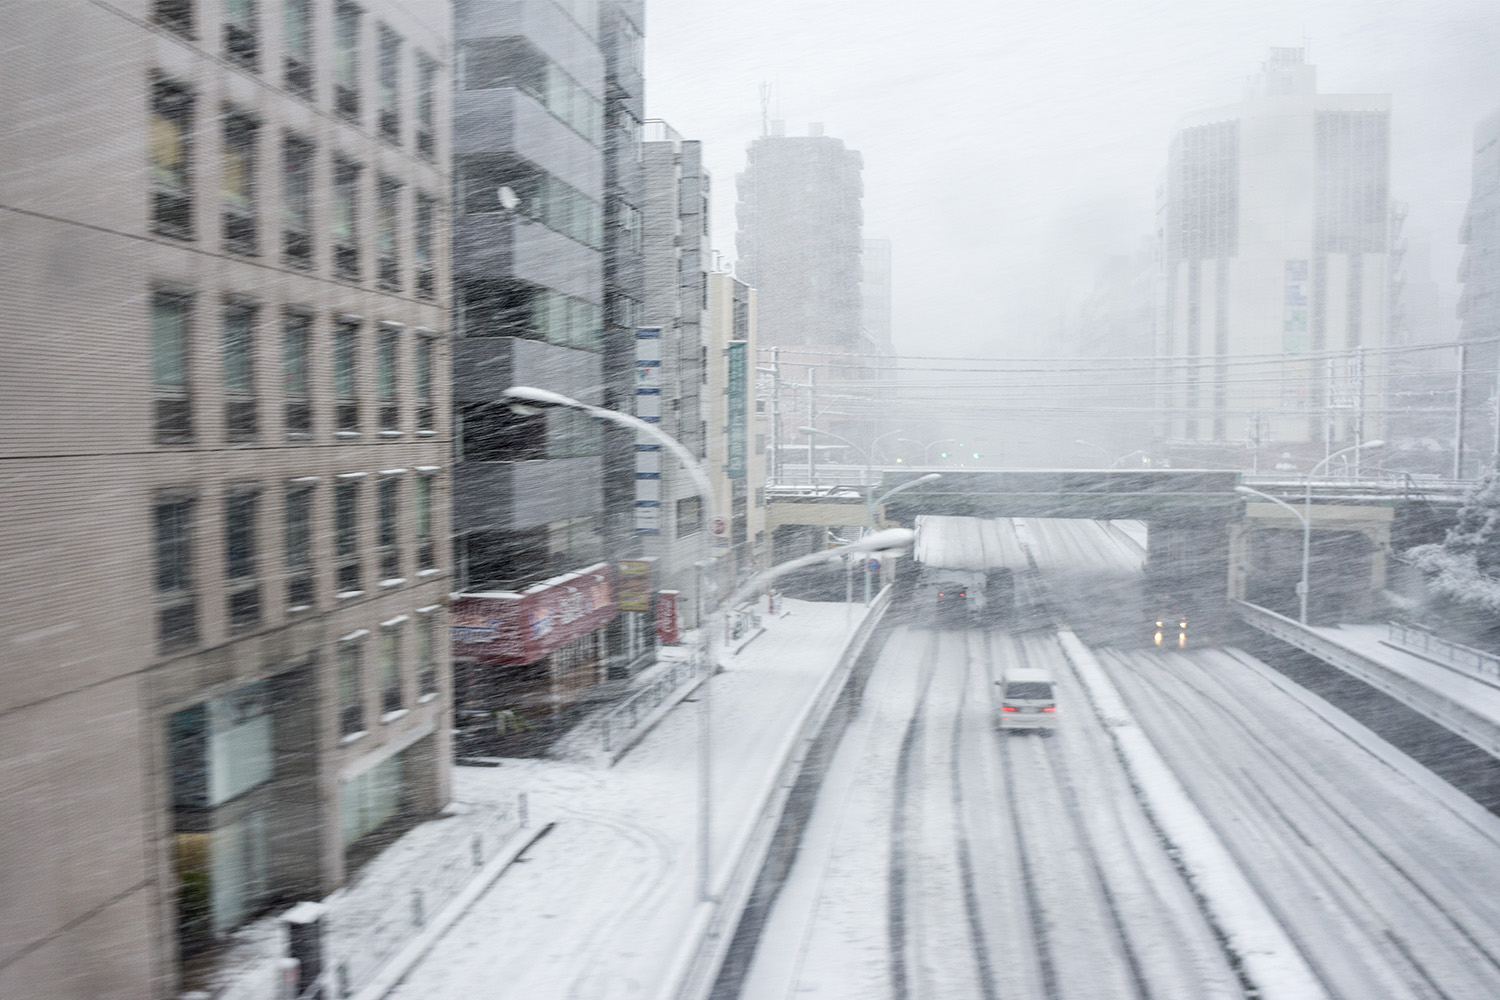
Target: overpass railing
pixel 1476 663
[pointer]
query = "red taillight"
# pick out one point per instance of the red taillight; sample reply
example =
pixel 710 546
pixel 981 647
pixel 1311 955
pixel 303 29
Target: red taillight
pixel 1050 708
pixel 941 594
pixel 1007 708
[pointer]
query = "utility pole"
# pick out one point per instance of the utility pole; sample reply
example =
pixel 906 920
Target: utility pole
pixel 776 414
pixel 1458 414
pixel 812 415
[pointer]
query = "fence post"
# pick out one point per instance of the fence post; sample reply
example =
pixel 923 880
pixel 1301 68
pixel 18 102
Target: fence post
pixel 416 907
pixel 521 808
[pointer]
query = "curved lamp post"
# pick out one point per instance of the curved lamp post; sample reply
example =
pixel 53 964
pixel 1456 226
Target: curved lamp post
pixel 1307 512
pixel 869 474
pixel 1302 585
pixel 527 400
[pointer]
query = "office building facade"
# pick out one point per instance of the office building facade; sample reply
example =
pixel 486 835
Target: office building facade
pixel 225 596
pixel 1479 304
pixel 1274 239
pixel 800 245
pixel 546 180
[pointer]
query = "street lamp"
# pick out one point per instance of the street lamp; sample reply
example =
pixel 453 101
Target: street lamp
pixel 1307 511
pixel 526 400
pixel 927 448
pixel 1097 447
pixel 1301 586
pixel 869 474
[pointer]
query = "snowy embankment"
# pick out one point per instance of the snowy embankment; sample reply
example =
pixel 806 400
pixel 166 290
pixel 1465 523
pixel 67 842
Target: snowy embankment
pixel 1267 955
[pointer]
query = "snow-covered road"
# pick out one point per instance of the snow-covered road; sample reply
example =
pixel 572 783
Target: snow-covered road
pixel 947 859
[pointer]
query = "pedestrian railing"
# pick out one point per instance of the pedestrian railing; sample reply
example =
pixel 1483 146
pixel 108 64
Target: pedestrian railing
pixel 1465 659
pixel 367 929
pixel 618 723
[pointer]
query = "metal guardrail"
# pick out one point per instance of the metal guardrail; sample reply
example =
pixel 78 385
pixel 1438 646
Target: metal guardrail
pixel 1482 732
pixel 362 942
pixel 699 962
pixel 622 720
pixel 1476 663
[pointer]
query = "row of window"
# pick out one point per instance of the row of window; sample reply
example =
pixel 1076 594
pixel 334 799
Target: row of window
pixel 244 44
pixel 504 182
pixel 396 662
pixel 243 327
pixel 248 584
pixel 504 307
pixel 493 63
pixel 292 241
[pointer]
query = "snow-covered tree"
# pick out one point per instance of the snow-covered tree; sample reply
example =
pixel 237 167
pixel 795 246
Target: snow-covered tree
pixel 1465 568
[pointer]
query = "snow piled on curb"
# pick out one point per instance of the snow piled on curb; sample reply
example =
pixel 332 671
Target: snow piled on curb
pixel 1267 955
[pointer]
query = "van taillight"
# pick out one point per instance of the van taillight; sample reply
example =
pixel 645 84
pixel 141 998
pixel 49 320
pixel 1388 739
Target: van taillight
pixel 1007 708
pixel 1050 708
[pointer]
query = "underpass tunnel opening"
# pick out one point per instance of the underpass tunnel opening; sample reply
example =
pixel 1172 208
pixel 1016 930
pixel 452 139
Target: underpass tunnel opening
pixel 1341 573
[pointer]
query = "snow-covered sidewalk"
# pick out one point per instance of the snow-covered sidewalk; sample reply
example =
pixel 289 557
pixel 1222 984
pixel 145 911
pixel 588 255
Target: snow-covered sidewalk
pixel 1371 641
pixel 600 905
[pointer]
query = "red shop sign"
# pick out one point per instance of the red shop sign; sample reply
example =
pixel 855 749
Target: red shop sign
pixel 507 628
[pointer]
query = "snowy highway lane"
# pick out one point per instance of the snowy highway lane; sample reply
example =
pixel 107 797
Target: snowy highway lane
pixel 947 859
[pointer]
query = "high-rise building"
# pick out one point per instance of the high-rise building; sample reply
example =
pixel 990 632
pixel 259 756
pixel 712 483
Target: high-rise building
pixel 737 442
pixel 1479 306
pixel 875 295
pixel 546 164
pixel 227 442
pixel 799 246
pixel 1274 228
pixel 671 521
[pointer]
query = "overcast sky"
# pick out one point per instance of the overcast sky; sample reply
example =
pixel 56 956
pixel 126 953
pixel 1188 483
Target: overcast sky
pixel 1010 146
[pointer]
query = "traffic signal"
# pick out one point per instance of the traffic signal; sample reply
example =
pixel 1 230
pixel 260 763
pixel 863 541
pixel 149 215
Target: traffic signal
pixel 942 454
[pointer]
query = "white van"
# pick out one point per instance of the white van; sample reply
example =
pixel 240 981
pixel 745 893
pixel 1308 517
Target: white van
pixel 1027 700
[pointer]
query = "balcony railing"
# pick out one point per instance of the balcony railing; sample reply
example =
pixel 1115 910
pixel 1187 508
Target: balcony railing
pixel 174 420
pixel 172 213
pixel 296 247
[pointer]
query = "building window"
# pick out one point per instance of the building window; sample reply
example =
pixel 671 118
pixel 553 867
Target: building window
pixel 346 220
pixel 299 576
pixel 423 386
pixel 346 535
pixel 427 674
pixel 171 152
pixel 296 201
pixel 492 63
pixel 388 76
pixel 385 379
pixel 346 396
pixel 240 33
pixel 388 210
pixel 174 15
pixel 239 371
pixel 390 670
pixel 294 345
pixel 169 364
pixel 689 516
pixel 237 183
pixel 346 60
pixel 422 252
pixel 240 561
pixel 426 550
pixel 426 106
pixel 351 689
pixel 176 605
pixel 296 46
pixel 479 177
pixel 390 553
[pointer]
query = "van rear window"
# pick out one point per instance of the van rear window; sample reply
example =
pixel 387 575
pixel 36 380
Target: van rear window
pixel 1029 691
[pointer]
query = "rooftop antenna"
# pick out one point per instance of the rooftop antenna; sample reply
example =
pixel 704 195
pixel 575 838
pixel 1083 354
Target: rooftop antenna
pixel 765 104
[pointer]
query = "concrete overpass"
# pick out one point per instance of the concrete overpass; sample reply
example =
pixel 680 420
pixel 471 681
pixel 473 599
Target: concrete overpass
pixel 1203 538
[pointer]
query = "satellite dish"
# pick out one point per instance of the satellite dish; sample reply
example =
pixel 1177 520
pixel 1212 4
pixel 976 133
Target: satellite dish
pixel 508 198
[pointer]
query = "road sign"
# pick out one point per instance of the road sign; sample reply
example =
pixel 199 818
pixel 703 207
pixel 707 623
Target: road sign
pixel 873 565
pixel 718 525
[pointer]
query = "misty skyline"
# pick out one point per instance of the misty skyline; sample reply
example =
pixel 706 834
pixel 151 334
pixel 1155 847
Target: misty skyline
pixel 1009 152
